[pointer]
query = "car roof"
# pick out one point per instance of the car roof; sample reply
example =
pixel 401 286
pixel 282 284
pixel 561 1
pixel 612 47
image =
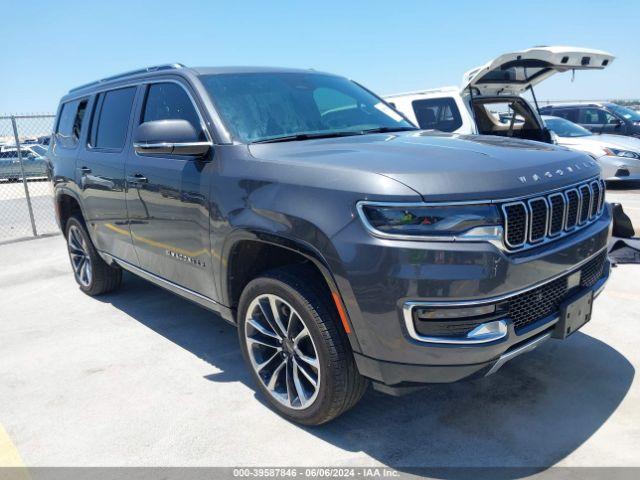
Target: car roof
pixel 574 104
pixel 176 68
pixel 442 91
pixel 250 69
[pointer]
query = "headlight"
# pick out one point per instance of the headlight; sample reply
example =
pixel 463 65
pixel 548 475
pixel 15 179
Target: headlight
pixel 614 152
pixel 415 220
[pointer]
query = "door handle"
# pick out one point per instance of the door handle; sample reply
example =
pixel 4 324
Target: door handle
pixel 137 178
pixel 85 170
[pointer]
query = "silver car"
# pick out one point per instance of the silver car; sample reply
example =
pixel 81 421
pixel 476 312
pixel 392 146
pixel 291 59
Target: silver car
pixel 619 156
pixel 33 160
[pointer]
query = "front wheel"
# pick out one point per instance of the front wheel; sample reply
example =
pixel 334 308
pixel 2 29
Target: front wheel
pixel 291 340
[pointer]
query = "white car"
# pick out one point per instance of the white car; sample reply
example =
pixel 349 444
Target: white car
pixel 494 89
pixel 619 156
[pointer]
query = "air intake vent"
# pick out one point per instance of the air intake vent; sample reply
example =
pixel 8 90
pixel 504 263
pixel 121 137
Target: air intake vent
pixel 541 219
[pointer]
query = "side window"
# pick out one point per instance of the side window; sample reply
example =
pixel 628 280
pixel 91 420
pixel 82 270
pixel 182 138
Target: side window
pixel 437 114
pixel 111 118
pixel 595 116
pixel 570 114
pixel 70 123
pixel 169 101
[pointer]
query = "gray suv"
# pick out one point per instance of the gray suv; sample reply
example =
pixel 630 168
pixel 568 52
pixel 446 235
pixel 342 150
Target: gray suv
pixel 347 246
pixel 608 118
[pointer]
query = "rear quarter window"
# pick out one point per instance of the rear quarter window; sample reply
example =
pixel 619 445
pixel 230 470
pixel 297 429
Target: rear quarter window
pixel 70 123
pixel 437 114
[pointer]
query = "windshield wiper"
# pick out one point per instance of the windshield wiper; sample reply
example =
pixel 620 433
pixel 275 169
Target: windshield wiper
pixel 387 130
pixel 308 136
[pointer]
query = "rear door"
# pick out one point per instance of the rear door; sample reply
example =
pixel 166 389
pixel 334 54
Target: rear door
pixel 100 171
pixel 167 196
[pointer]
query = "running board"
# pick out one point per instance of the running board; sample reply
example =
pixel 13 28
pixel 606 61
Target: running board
pixel 225 312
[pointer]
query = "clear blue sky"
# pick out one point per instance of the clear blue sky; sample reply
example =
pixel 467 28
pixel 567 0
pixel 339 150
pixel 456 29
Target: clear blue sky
pixel 389 46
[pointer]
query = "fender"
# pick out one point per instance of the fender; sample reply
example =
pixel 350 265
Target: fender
pixel 60 191
pixel 307 251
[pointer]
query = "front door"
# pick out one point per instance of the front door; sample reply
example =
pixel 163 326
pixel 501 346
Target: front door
pixel 598 120
pixel 167 198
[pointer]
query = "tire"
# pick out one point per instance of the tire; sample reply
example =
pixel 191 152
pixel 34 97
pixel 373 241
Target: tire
pixel 93 275
pixel 339 386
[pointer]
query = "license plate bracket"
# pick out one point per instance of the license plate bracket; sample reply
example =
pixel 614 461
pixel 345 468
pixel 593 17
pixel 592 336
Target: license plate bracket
pixel 574 313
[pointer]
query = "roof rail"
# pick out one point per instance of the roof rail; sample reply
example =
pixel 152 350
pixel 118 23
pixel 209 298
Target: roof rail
pixel 446 89
pixel 139 71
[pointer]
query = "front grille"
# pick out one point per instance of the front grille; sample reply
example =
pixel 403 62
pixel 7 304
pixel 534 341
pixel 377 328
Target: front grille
pixel 523 309
pixel 539 219
pixel 529 307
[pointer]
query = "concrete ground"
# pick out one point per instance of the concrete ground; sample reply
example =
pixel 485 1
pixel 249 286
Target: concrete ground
pixel 142 377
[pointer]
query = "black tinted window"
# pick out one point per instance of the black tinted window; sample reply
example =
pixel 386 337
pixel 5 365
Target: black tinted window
pixel 169 101
pixel 111 118
pixel 70 123
pixel 437 114
pixel 595 116
pixel 570 114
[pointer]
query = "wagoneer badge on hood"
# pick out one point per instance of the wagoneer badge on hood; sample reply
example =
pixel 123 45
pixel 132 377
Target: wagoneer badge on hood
pixel 560 171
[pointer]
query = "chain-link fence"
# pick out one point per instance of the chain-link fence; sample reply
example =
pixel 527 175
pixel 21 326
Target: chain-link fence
pixel 26 203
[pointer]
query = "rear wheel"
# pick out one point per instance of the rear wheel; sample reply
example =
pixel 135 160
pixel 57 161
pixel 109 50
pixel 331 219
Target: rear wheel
pixel 92 274
pixel 298 355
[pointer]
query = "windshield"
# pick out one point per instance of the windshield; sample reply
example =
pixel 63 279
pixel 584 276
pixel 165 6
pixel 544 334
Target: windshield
pixel 565 128
pixel 39 149
pixel 263 106
pixel 625 112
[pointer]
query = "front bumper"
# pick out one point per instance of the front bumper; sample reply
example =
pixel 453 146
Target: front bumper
pixel 619 168
pixel 383 277
pixel 503 350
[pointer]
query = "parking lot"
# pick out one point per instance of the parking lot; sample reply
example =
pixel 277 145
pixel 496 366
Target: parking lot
pixel 142 377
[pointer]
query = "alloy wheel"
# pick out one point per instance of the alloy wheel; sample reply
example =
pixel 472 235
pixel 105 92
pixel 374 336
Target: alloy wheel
pixel 79 253
pixel 282 351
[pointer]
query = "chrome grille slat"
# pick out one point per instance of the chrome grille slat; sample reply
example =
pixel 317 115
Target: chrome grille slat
pixel 536 220
pixel 595 200
pixel 603 189
pixel 585 203
pixel 515 232
pixel 558 213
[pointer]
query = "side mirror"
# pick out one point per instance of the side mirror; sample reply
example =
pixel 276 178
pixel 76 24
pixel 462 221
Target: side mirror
pixel 615 121
pixel 169 137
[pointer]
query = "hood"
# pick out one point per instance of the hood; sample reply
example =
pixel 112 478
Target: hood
pixel 442 166
pixel 594 144
pixel 512 73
